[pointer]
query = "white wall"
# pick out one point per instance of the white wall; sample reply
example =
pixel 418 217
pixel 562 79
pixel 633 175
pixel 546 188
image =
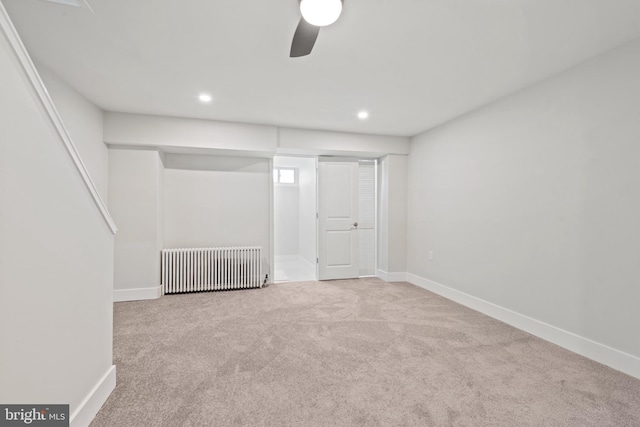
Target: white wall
pixel 84 121
pixel 160 203
pixel 392 217
pixel 307 226
pixel 217 201
pixel 286 227
pixel 56 258
pixel 532 203
pixel 136 202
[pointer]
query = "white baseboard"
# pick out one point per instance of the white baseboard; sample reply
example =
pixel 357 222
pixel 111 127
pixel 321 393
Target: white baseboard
pixel 616 359
pixel 87 410
pixel 137 294
pixel 392 277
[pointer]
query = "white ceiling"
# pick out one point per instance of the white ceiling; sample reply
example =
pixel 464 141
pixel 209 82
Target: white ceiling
pixel 412 63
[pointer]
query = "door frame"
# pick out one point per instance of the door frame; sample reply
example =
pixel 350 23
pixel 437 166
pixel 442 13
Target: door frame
pixel 357 159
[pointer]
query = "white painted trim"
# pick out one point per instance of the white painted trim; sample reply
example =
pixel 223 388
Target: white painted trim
pixel 392 277
pixel 137 294
pixel 272 239
pixel 43 95
pixel 87 410
pixel 616 359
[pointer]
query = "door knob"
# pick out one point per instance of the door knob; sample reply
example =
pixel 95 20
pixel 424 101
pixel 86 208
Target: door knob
pixel 355 224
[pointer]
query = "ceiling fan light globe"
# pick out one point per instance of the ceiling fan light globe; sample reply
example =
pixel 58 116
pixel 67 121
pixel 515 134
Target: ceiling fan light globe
pixel 321 12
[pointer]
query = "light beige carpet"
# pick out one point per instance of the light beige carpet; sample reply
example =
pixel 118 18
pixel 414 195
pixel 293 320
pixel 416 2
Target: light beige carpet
pixel 347 353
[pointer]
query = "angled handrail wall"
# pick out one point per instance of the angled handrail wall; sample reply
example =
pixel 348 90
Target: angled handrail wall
pixel 37 84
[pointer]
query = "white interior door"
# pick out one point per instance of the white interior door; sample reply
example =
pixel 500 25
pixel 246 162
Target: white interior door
pixel 338 255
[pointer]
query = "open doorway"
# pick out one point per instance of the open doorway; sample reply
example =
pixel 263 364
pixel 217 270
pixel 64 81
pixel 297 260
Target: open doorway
pixel 294 202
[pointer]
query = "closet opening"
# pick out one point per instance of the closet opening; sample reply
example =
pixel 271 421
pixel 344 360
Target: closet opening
pixel 295 207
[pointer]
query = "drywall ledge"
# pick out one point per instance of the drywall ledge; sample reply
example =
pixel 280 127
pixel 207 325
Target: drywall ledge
pixel 137 294
pixel 188 136
pixel 90 406
pixel 43 95
pixel 293 141
pixel 611 357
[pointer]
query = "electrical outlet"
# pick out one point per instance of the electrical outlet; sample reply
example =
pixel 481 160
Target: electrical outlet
pixel 430 255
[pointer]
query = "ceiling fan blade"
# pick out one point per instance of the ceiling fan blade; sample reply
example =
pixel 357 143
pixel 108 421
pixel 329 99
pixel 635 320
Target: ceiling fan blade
pixel 304 39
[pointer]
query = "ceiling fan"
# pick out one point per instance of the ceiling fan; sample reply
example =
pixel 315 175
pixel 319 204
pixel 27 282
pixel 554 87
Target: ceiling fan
pixel 315 14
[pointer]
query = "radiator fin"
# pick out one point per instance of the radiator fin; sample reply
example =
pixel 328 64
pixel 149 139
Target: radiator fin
pixel 211 269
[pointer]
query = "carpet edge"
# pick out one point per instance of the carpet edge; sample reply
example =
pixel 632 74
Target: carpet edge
pixel 609 356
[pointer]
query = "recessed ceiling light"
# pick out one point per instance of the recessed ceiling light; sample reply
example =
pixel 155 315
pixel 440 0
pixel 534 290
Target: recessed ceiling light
pixel 205 97
pixel 362 115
